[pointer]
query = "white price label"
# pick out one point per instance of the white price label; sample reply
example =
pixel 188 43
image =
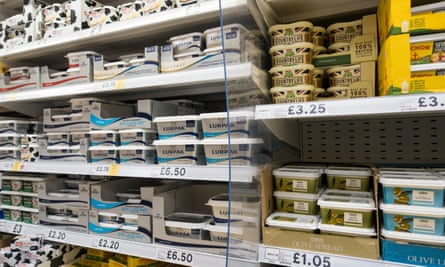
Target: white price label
pixel 166 172
pixel 56 235
pixel 176 256
pixel 425 102
pixel 306 259
pixel 306 109
pixel 16 228
pixel 107 244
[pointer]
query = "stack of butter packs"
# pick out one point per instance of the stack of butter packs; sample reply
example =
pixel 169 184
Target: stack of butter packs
pixel 303 56
pixel 412 41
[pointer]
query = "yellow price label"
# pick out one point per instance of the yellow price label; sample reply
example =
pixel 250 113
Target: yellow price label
pixel 119 84
pixel 16 166
pixel 114 170
pixel 12 97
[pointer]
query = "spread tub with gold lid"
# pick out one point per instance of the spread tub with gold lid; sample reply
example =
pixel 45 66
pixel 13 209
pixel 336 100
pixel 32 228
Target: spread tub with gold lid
pixel 285 34
pixel 344 75
pixel 294 94
pixel 344 31
pixel 288 55
pixel 292 75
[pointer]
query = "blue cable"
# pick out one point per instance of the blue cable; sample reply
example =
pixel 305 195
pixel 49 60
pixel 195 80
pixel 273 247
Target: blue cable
pixel 226 90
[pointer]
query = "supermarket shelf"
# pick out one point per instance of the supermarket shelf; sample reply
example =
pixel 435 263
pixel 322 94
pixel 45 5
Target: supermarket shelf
pixel 151 251
pixel 290 257
pixel 243 174
pixel 111 39
pixel 190 82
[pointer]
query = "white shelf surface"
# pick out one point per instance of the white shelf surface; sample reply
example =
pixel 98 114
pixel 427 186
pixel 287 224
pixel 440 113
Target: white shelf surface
pixel 386 105
pixel 290 257
pixel 243 174
pixel 201 81
pixel 144 250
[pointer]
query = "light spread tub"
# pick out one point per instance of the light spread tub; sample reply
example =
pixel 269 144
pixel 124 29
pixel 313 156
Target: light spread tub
pixel 293 221
pixel 129 219
pixel 9 153
pixel 344 75
pixel 289 55
pixel 319 36
pixel 242 124
pixel 76 137
pixel 187 43
pixel 130 10
pixel 136 137
pixel 346 193
pixel 104 154
pixel 179 151
pixel 74 58
pixel 243 208
pixel 293 94
pixel 58 139
pixel 297 180
pixel 137 154
pixel 243 151
pixel 292 75
pixel 284 34
pixel 19 74
pixel 347 211
pixel 54 12
pixel 413 189
pixel 349 178
pixel 188 225
pixel 10 140
pixel 104 138
pixel 218 232
pixel 188 126
pixel 213 36
pixel 344 31
pixel 411 219
pixel 102 15
pixel 153 6
pixel 16 126
pixel 296 202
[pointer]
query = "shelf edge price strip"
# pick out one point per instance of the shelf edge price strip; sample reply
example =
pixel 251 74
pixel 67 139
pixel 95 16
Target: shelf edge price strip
pixel 422 102
pixel 107 244
pixel 176 256
pixel 56 235
pixel 112 169
pixel 171 171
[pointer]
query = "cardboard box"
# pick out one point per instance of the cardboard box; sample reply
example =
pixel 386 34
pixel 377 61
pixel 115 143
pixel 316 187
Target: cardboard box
pixel 142 232
pixel 362 48
pixel 103 195
pixel 192 199
pixel 32 83
pixel 323 243
pixel 415 254
pixel 150 66
pixel 147 110
pixel 80 226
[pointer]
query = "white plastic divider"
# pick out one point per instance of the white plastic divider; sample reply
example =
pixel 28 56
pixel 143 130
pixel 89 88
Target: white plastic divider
pixel 384 105
pixel 244 174
pixel 152 251
pixel 290 257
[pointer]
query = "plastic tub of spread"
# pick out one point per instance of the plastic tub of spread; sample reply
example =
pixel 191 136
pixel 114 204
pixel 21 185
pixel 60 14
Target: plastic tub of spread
pixel 292 75
pixel 413 190
pixel 285 34
pixel 9 153
pixel 347 211
pixel 338 91
pixel 54 12
pixel 30 217
pixel 213 36
pixel 130 57
pixel 65 193
pixel 319 36
pixel 296 202
pixel 187 43
pixel 293 221
pixel 242 124
pixel 16 200
pixel 317 78
pixel 343 76
pixel 75 57
pixel 154 6
pixel 137 137
pixel 10 140
pixel 104 154
pixel 188 126
pixel 319 50
pixel 344 31
pixel 58 139
pixel 104 138
pixel 339 48
pixel 293 94
pixel 412 219
pixel 16 185
pixel 349 178
pixel 218 232
pixel 116 65
pixel 31 202
pixel 130 10
pixel 19 74
pixel 179 151
pixel 77 104
pixel 129 219
pixel 58 211
pixel 243 151
pixel 187 225
pixel 181 3
pixel 297 180
pixel 136 154
pixel 102 15
pixel 129 195
pixel 7 200
pixel 109 218
pixel 289 55
pixel 76 137
pixel 243 208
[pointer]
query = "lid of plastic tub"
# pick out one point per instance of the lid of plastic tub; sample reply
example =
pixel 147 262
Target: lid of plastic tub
pixel 226 27
pixel 81 53
pixel 413 210
pixel 356 203
pixel 296 196
pixel 108 214
pixel 188 54
pixel 343 25
pixel 182 36
pixel 233 141
pixel 213 50
pixel 291 25
pixel 116 63
pixel 293 221
pixel 129 216
pixel 99 148
pixel 103 132
pixel 319 167
pixel 347 230
pixel 356 171
pixel 57 217
pixel 299 87
pixel 296 45
pixel 433 182
pixel 221 200
pixel 130 147
pixel 173 142
pixel 58 74
pixel 421 238
pixel 187 220
pixel 241 113
pixel 298 173
pixel 61 116
pixel 222 228
pixel 291 68
pixel 177 118
pixel 346 193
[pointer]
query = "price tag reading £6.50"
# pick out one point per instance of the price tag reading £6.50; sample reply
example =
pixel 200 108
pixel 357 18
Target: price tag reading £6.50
pixel 175 256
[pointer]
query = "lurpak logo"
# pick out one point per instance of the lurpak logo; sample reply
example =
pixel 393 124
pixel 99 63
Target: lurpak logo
pixel 173 151
pixel 223 151
pixel 220 125
pixel 174 128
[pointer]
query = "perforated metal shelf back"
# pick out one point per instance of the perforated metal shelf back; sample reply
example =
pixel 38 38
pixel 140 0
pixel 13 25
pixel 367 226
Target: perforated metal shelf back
pixel 397 140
